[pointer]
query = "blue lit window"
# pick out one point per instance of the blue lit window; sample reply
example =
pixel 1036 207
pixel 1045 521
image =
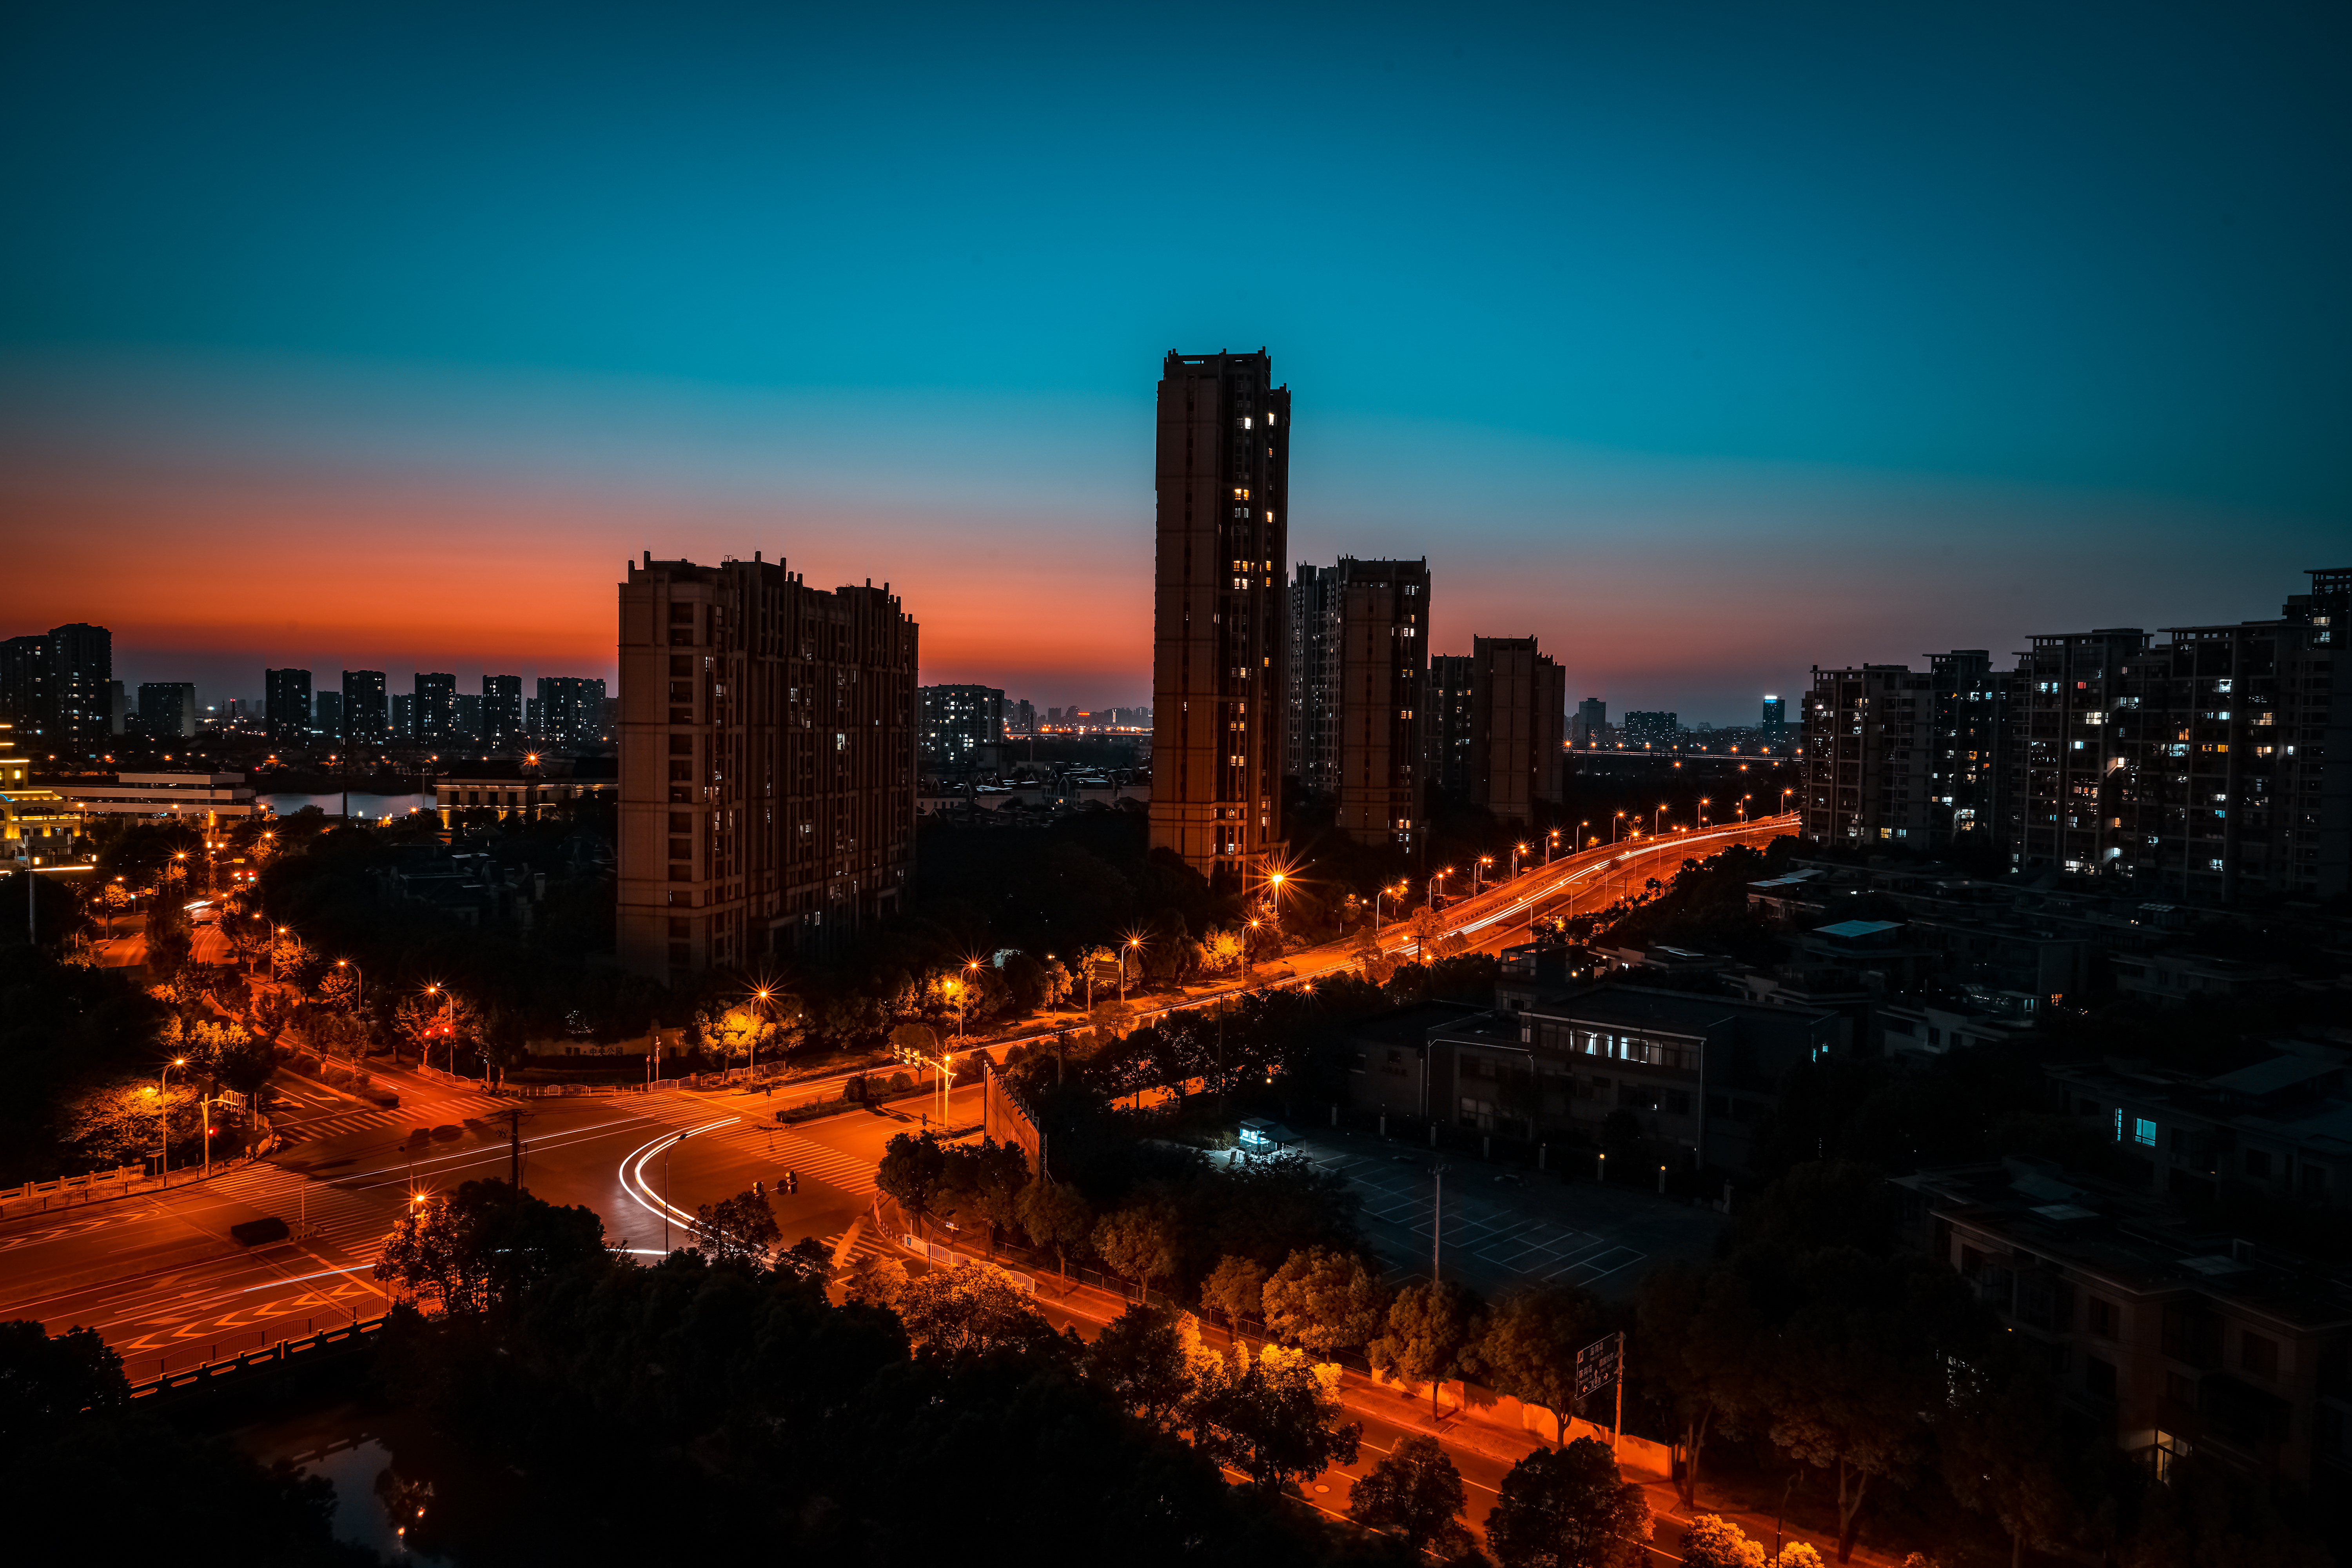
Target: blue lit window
pixel 2143 1130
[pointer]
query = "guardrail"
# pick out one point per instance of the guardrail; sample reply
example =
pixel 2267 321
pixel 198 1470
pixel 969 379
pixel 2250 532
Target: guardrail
pixel 99 1187
pixel 276 1354
pixel 565 1091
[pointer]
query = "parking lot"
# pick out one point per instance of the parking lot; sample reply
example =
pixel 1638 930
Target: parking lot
pixel 1504 1227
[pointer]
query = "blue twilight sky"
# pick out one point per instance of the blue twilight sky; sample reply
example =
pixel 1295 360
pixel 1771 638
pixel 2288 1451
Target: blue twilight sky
pixel 1706 341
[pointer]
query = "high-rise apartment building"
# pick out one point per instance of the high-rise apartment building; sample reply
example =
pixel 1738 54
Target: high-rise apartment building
pixel 467 727
pixel 767 743
pixel 571 709
pixel 1220 676
pixel 2237 748
pixel 1359 675
pixel 1868 748
pixel 366 710
pixel 501 727
pixel 1447 730
pixel 1311 738
pixel 81 664
pixel 435 721
pixel 327 716
pixel 117 709
pixel 1518 707
pixel 167 708
pixel 1020 716
pixel 955 722
pixel 2063 792
pixel 286 698
pixel 27 690
pixel 1968 740
pixel 1656 730
pixel 403 724
pixel 1589 726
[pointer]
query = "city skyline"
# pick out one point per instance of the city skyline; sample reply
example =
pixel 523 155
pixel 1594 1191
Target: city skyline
pixel 1668 369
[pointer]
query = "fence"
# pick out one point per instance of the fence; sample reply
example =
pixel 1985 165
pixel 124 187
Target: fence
pixel 278 1354
pixel 565 1091
pixel 98 1186
pixel 949 1258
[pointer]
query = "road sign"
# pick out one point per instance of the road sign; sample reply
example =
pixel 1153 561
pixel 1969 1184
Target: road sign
pixel 1596 1364
pixel 231 1098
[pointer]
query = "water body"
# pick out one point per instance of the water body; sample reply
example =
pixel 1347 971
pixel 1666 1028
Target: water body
pixel 365 807
pixel 361 1517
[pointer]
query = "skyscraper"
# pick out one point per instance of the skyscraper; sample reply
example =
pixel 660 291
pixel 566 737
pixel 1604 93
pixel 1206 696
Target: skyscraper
pixel 366 711
pixel 767 764
pixel 81 663
pixel 502 728
pixel 167 708
pixel 27 690
pixel 327 716
pixel 1359 670
pixel 286 694
pixel 1446 733
pixel 435 712
pixel 1590 725
pixel 1518 706
pixel 571 709
pixel 955 722
pixel 1220 649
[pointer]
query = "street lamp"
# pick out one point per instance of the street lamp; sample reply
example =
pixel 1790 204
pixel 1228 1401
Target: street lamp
pixel 359 981
pixel 1398 891
pixel 1784 800
pixel 1133 943
pixel 448 1025
pixel 1614 826
pixel 1552 846
pixel 1437 884
pixel 1702 812
pixel 1255 923
pixel 1658 819
pixel 1516 850
pixel 1478 875
pixel 165 1098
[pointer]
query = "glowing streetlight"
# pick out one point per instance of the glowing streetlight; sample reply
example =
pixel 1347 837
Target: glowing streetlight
pixel 1132 944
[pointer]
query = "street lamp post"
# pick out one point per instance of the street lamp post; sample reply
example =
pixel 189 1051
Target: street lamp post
pixel 1478 876
pixel 1552 846
pixel 1701 813
pixel 163 1097
pixel 359 981
pixel 1516 850
pixel 1132 943
pixel 1658 819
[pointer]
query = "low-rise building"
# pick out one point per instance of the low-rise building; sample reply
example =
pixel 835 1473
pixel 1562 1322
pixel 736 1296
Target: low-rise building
pixel 2170 1340
pixel 2281 1126
pixel 1695 1072
pixel 182 796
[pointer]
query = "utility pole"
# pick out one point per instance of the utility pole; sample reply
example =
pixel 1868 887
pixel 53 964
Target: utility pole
pixel 1437 1227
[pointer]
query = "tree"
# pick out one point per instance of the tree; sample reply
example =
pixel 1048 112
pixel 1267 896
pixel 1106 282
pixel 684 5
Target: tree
pixel 1416 1493
pixel 875 1280
pixel 1275 1419
pixel 1527 1348
pixel 1142 1361
pixel 912 1172
pixel 2002 1456
pixel 438 1021
pixel 1569 1507
pixel 169 938
pixel 485 1245
pixel 1057 1219
pixel 1856 1365
pixel 1798 1554
pixel 985 1182
pixel 1322 1299
pixel 1429 1326
pixel 1712 1542
pixel 1136 1244
pixel 1235 1287
pixel 1697 1340
pixel 740 1227
pixel 971 1309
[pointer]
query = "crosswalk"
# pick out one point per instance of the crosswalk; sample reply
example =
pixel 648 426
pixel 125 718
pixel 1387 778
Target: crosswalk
pixel 787 1151
pixel 428 1113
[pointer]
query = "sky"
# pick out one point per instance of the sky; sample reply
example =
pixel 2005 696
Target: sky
pixel 1707 342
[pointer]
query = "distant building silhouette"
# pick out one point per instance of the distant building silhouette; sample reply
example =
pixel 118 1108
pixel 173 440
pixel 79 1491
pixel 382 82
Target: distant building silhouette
pixel 366 710
pixel 286 705
pixel 955 722
pixel 1220 652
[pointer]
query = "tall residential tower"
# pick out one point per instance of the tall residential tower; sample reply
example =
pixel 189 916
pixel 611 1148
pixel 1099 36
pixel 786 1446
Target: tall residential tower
pixel 1220 651
pixel 767 765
